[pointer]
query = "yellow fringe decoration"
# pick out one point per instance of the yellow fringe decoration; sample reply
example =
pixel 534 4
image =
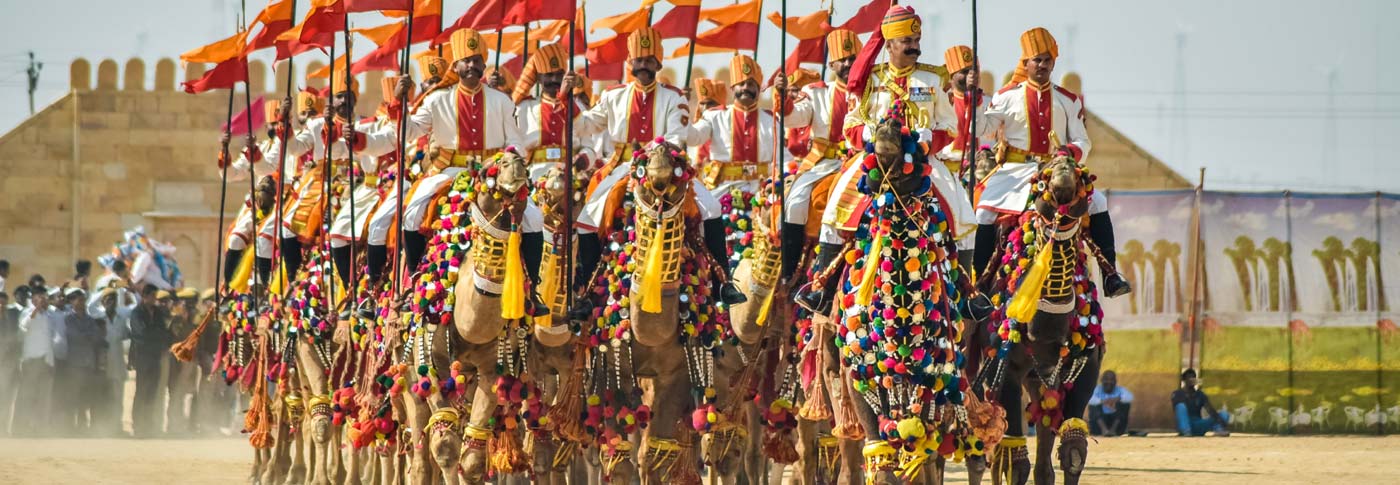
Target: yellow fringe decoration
pixel 243 273
pixel 763 310
pixel 872 268
pixel 879 455
pixel 651 276
pixel 513 289
pixel 1027 298
pixel 549 286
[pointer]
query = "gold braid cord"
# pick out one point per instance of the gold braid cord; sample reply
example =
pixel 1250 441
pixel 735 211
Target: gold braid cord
pixel 1009 452
pixel 879 456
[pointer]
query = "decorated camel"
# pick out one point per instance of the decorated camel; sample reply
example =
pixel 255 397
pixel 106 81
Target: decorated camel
pixel 1046 338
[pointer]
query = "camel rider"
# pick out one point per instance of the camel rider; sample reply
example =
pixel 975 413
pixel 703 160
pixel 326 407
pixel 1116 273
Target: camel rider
pixel 638 113
pixel 961 66
pixel 708 95
pixel 265 171
pixel 741 138
pixel 543 120
pixel 386 118
pixel 301 221
pixel 436 76
pixel 919 88
pixel 470 122
pixel 1038 119
pixel 822 109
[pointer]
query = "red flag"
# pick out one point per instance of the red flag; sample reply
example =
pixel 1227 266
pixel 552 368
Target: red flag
pixel 735 36
pixel 515 65
pixel 525 11
pixel 679 23
pixel 868 18
pixel 386 56
pixel 326 18
pixel 808 50
pixel 482 15
pixel 223 76
pixel 611 71
pixel 375 5
pixel 608 51
pixel 239 124
pixel 275 19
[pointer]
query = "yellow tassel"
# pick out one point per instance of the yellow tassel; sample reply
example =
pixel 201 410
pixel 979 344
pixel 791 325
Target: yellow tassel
pixel 244 271
pixel 513 289
pixel 279 280
pixel 763 310
pixel 1027 298
pixel 872 268
pixel 651 276
pixel 548 288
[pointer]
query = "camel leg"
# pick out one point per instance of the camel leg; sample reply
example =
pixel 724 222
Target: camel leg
pixel 336 465
pixel 296 443
pixel 976 466
pixel 279 461
pixel 1009 397
pixel 482 407
pixel 852 466
pixel 1074 445
pixel 805 472
pixel 255 474
pixel 421 470
pixel 353 468
pixel 669 403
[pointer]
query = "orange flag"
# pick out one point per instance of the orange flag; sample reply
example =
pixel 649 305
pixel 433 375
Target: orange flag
pixel 623 23
pixel 379 35
pixel 217 52
pixel 730 14
pixel 812 26
pixel 325 71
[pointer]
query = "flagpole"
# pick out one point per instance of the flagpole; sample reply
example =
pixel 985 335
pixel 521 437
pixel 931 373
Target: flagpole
pixel 223 194
pixel 501 36
pixel 567 237
pixel 327 280
pixel 354 282
pixel 690 58
pixel 779 181
pixel 830 14
pixel 281 170
pixel 585 38
pixel 398 176
pixel 969 154
pixel 252 178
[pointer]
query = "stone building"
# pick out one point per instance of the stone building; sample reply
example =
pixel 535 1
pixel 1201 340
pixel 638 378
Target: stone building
pixel 121 152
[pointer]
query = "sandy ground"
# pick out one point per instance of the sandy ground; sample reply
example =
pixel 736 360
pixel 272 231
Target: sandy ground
pixel 1158 460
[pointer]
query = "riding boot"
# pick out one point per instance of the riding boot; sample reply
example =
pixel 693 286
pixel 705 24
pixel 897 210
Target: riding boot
pixel 816 298
pixel 291 256
pixel 414 243
pixel 590 248
pixel 1101 232
pixel 719 249
pixel 794 240
pixel 231 259
pixel 532 252
pixel 984 247
pixel 264 267
pixel 341 257
pixel 376 257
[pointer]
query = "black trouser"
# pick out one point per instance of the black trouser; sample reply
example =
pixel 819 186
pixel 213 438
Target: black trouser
pixel 1113 424
pixel 145 418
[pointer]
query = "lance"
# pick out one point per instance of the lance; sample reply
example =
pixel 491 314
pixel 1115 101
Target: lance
pixel 779 184
pixel 969 153
pixel 571 35
pixel 281 169
pixel 223 194
pixel 354 282
pixel 830 13
pixel 501 36
pixel 328 281
pixel 567 237
pixel 399 174
pixel 690 57
pixel 252 179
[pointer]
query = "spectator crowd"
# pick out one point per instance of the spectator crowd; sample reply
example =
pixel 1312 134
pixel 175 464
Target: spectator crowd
pixel 68 351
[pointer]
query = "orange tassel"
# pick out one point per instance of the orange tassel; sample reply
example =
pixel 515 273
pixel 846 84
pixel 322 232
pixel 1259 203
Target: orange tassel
pixel 508 453
pixel 847 422
pixel 779 447
pixel 184 350
pixel 818 404
pixel 564 413
pixel 683 469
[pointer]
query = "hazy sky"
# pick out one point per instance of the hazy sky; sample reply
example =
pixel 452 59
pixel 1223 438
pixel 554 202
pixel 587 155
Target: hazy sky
pixel 1266 94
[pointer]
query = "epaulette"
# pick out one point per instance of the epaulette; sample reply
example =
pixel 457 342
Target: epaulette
pixel 1072 96
pixel 817 84
pixel 939 70
pixel 615 86
pixel 1008 87
pixel 718 108
pixel 368 119
pixel 674 89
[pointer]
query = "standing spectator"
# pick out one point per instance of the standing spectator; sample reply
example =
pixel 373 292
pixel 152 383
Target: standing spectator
pixel 10 347
pixel 1109 407
pixel 150 343
pixel 81 271
pixel 83 379
pixel 116 275
pixel 182 375
pixel 36 367
pixel 1188 403
pixel 4 272
pixel 62 398
pixel 37 283
pixel 115 305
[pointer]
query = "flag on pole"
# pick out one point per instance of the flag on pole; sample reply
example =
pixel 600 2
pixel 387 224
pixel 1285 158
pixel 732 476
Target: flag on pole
pixel 623 23
pixel 223 76
pixel 275 20
pixel 217 52
pixel 810 30
pixel 868 17
pixel 353 6
pixel 238 125
pixel 526 11
pixel 326 18
pixel 482 15
pixel 680 22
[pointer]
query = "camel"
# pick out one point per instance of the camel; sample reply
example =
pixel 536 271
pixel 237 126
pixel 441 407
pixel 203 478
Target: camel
pixel 1055 319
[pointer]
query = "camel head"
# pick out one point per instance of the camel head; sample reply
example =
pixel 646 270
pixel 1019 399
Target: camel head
pixel 662 169
pixel 900 163
pixel 503 180
pixel 550 193
pixel 1063 186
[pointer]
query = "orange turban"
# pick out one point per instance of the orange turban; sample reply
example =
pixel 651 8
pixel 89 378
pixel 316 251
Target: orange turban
pixel 431 67
pixel 900 21
pixel 1038 41
pixel 309 100
pixel 957 58
pixel 388 85
pixel 343 79
pixel 842 43
pixel 802 77
pixel 743 68
pixel 467 43
pixel 644 42
pixel 272 111
pixel 704 90
pixel 547 59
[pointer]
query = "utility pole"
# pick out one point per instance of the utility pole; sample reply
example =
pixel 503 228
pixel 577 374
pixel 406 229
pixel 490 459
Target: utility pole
pixel 33 72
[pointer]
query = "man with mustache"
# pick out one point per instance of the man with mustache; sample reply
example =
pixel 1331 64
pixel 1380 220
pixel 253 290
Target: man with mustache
pixel 639 112
pixel 472 121
pixel 1039 120
pixel 265 171
pixel 543 120
pixel 822 108
pixel 348 141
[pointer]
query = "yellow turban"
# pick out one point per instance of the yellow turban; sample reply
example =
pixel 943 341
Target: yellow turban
pixel 467 43
pixel 842 43
pixel 900 21
pixel 705 90
pixel 802 77
pixel 431 67
pixel 343 79
pixel 957 58
pixel 308 100
pixel 548 59
pixel 1038 41
pixel 644 42
pixel 743 68
pixel 271 111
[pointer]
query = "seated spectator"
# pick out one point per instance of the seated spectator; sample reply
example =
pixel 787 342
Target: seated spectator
pixel 1189 402
pixel 1109 407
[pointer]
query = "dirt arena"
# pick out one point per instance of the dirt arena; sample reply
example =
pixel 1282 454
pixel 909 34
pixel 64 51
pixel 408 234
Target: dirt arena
pixel 1160 460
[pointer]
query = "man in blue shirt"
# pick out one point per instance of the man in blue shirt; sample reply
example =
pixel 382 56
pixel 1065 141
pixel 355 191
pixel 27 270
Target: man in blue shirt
pixel 1109 406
